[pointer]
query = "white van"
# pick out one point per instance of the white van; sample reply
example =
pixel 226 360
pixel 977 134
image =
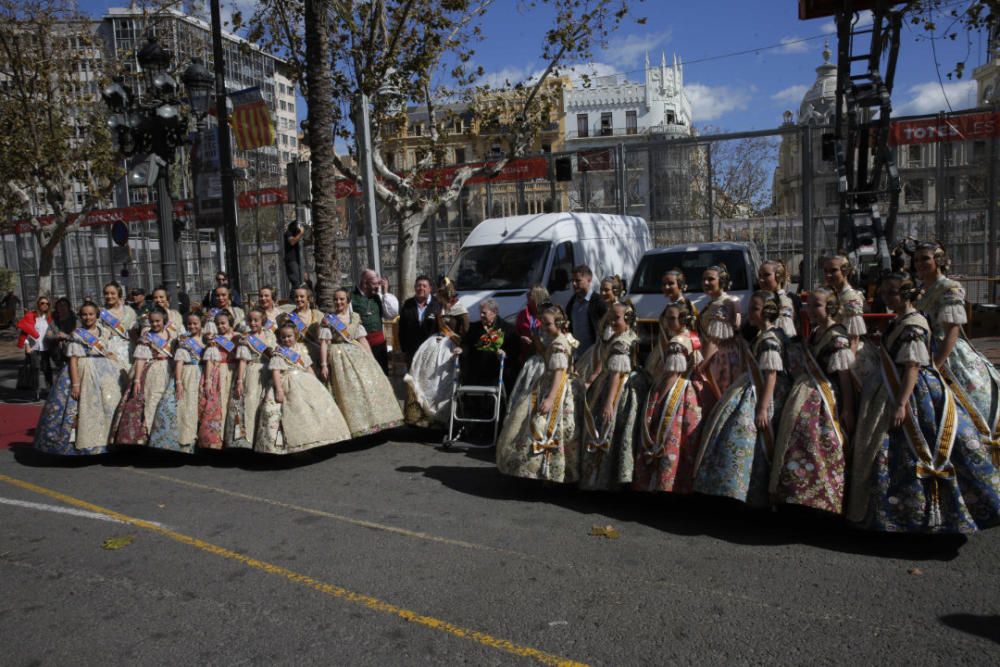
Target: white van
pixel 503 257
pixel 741 259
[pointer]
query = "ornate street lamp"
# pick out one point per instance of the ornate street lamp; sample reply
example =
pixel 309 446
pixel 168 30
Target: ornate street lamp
pixel 198 82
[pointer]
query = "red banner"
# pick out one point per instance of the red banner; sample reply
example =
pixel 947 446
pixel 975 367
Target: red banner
pixel 523 169
pixel 948 128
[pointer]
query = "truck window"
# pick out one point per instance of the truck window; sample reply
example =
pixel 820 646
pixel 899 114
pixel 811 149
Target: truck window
pixel 562 268
pixel 499 267
pixel 692 264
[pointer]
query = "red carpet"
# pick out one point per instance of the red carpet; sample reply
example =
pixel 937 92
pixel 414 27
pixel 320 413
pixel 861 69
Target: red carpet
pixel 17 423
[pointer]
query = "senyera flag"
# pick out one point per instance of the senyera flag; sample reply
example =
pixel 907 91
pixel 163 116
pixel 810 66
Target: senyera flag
pixel 251 119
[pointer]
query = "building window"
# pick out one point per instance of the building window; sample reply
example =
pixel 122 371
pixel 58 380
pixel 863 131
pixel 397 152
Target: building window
pixel 582 125
pixel 914 192
pixel 975 187
pixel 459 126
pixel 978 152
pixel 607 124
pixel 914 155
pixel 832 195
pixel 950 187
pixel 670 118
pixel 631 122
pixel 459 156
pixel 947 153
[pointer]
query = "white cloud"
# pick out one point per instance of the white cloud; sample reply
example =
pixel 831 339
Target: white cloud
pixel 928 97
pixel 793 44
pixel 791 95
pixel 624 51
pixel 511 73
pixel 712 102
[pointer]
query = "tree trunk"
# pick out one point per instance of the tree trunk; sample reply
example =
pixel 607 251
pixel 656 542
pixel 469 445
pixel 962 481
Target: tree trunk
pixel 409 236
pixel 320 123
pixel 46 261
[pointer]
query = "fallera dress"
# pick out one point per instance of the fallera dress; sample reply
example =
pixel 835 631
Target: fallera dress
pixel 308 418
pixel 607 458
pixel 734 460
pixel 537 446
pixel 434 372
pixel 362 391
pixel 241 416
pixel 73 428
pixel 719 323
pixel 120 326
pixel 216 388
pixel 865 367
pixel 175 426
pixel 808 467
pixel 906 479
pixel 975 381
pixel 670 431
pixel 133 420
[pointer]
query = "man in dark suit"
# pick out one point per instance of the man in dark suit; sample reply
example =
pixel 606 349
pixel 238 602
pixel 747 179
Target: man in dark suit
pixel 585 309
pixel 418 318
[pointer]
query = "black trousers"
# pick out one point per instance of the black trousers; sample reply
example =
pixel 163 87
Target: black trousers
pixel 293 271
pixel 381 354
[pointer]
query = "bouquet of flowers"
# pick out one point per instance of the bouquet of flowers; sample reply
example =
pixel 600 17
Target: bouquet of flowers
pixel 490 341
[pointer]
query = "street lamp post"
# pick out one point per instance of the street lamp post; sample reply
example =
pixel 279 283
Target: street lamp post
pixel 151 125
pixel 198 82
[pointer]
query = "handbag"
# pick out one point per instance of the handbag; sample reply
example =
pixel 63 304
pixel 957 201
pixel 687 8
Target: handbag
pixel 27 375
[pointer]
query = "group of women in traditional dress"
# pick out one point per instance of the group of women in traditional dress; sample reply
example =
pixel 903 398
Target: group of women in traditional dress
pixel 898 434
pixel 275 380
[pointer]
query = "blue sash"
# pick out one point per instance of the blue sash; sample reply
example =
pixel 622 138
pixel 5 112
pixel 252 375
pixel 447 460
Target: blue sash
pixel 224 343
pixel 157 342
pixel 337 325
pixel 291 356
pixel 90 340
pixel 191 344
pixel 257 344
pixel 297 321
pixel 212 312
pixel 114 323
pixel 269 325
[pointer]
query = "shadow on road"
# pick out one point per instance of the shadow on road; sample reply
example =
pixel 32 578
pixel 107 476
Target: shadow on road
pixel 981 626
pixel 243 459
pixel 700 515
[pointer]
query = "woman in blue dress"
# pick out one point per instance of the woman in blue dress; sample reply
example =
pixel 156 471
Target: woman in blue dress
pixel 905 474
pixel 175 426
pixel 76 419
pixel 738 437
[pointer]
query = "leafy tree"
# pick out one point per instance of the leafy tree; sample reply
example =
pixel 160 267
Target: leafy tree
pixel 52 130
pixel 414 52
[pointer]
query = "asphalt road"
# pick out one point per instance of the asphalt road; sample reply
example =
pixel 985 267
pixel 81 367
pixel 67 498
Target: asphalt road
pixel 400 553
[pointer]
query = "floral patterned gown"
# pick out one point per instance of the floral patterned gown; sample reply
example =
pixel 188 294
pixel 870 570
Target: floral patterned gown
pixel 362 391
pixel 539 446
pixel 134 418
pixel 907 479
pixel 735 457
pixel 670 430
pixel 808 466
pixel 865 366
pixel 308 418
pixel 175 426
pixel 607 459
pixel 73 428
pixel 975 381
pixel 216 388
pixel 720 322
pixel 241 416
pixel 433 372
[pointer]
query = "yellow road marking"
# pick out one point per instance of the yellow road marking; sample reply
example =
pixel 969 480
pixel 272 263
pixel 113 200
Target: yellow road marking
pixel 345 519
pixel 328 589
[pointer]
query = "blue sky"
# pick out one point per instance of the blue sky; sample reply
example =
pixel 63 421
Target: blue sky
pixel 739 92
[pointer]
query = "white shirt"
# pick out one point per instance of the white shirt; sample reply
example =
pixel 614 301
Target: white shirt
pixel 42 327
pixel 390 306
pixel 423 309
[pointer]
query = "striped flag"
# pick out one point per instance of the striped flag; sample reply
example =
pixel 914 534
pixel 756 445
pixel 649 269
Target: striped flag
pixel 251 119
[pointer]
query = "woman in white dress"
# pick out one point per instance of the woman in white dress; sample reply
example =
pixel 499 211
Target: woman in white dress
pixel 433 372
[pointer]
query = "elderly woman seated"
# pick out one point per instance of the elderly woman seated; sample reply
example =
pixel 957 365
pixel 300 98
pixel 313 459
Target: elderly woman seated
pixel 481 349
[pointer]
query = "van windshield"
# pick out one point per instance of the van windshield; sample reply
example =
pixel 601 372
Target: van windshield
pixel 499 267
pixel 648 277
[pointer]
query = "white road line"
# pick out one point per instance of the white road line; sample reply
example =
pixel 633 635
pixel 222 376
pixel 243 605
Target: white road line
pixel 63 510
